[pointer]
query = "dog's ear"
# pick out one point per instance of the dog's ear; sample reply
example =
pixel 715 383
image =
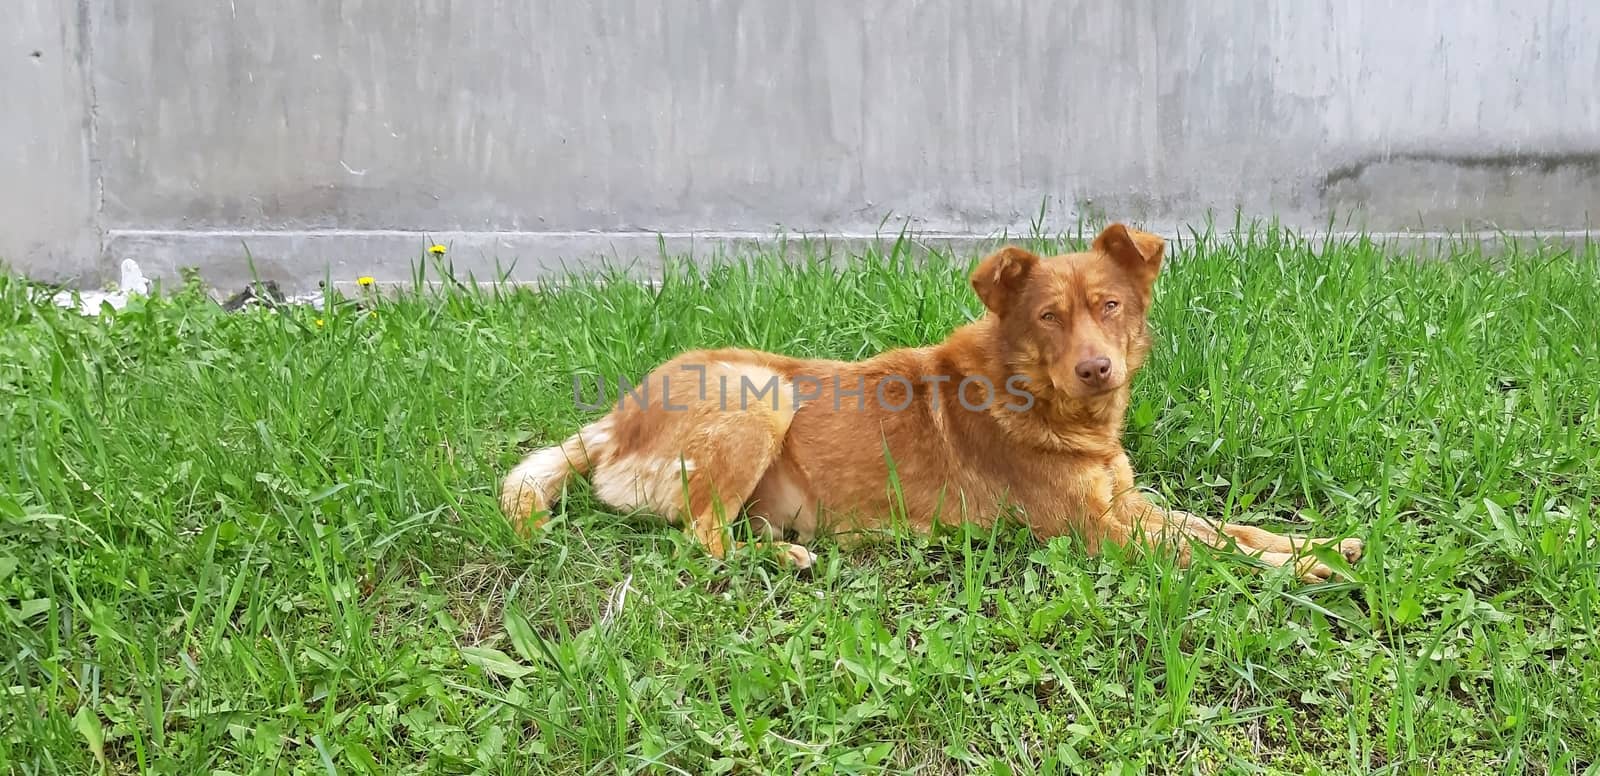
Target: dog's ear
pixel 999 277
pixel 1138 253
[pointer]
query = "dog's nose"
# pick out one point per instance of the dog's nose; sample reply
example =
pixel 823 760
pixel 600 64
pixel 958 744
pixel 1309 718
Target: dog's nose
pixel 1093 370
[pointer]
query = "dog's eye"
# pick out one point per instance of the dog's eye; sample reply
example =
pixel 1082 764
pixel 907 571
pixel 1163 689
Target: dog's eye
pixel 1048 316
pixel 1112 305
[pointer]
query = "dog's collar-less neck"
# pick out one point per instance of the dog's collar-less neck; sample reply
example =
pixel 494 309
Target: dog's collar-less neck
pixel 1057 423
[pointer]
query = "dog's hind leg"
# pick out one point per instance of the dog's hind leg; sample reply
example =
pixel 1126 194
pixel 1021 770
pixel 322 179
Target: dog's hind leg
pixel 706 456
pixel 737 448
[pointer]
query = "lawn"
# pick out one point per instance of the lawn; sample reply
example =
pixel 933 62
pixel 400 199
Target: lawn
pixel 269 542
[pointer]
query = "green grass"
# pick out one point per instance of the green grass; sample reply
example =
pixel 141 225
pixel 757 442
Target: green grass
pixel 249 543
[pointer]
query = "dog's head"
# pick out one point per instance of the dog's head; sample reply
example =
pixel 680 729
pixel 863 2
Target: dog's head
pixel 1074 324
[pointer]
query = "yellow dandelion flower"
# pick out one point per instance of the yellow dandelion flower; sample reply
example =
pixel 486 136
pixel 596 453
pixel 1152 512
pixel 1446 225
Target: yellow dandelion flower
pixel 437 250
pixel 372 314
pixel 364 280
pixel 319 323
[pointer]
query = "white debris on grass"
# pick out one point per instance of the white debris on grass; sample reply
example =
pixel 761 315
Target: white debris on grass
pixel 132 283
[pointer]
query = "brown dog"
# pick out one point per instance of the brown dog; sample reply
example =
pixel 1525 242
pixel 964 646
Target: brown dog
pixel 1022 408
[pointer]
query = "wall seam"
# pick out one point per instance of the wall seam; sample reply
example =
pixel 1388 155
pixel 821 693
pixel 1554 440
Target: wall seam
pixel 92 119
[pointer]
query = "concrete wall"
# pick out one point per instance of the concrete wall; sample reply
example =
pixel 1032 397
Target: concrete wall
pixel 341 135
pixel 48 191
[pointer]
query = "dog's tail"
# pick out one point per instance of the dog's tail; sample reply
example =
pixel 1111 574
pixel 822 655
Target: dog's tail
pixel 533 485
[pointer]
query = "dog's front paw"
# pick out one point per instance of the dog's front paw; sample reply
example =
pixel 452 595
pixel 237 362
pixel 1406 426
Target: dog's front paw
pixel 1312 570
pixel 1306 567
pixel 1351 549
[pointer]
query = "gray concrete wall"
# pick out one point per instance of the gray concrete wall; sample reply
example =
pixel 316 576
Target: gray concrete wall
pixel 48 191
pixel 342 135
